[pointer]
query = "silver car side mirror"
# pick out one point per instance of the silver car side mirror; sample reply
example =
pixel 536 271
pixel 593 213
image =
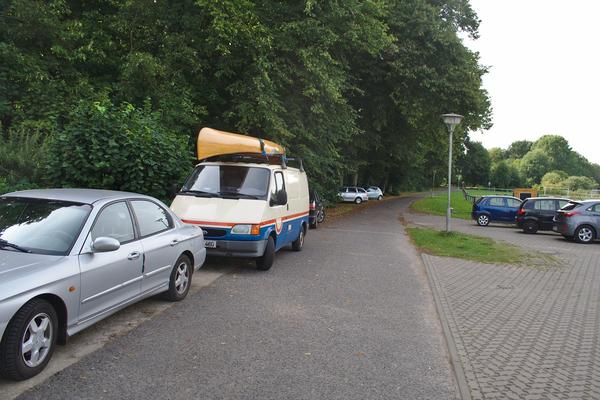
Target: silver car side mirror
pixel 104 244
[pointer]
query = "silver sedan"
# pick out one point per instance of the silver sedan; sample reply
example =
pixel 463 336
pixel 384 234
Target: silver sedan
pixel 71 257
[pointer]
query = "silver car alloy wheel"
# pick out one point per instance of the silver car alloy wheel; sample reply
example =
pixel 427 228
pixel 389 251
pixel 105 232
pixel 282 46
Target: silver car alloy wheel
pixel 181 277
pixel 585 234
pixel 37 340
pixel 484 220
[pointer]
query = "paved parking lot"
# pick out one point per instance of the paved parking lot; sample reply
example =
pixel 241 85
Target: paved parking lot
pixel 521 332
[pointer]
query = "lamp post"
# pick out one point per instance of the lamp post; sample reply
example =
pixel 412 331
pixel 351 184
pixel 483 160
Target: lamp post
pixel 451 120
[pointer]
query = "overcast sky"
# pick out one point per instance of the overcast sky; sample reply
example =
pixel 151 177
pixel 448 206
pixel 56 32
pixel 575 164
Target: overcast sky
pixel 544 74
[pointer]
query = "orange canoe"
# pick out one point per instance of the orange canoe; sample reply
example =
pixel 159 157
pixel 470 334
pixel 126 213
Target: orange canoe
pixel 212 142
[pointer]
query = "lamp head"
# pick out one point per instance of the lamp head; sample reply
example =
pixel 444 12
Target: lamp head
pixel 451 120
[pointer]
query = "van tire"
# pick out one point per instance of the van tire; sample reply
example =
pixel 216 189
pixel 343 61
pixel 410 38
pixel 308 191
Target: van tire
pixel 314 225
pixel 265 262
pixel 298 244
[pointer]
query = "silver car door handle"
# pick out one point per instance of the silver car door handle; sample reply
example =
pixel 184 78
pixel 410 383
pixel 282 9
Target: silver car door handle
pixel 174 242
pixel 134 256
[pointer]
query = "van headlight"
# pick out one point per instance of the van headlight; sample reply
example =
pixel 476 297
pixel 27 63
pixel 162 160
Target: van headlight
pixel 246 229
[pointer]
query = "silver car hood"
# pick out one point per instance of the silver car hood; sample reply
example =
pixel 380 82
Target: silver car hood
pixel 21 263
pixel 22 272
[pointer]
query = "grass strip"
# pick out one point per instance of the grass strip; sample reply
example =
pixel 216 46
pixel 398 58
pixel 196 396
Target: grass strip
pixel 475 248
pixel 437 204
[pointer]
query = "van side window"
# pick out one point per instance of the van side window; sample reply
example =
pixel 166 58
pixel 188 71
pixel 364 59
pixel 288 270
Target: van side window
pixel 279 184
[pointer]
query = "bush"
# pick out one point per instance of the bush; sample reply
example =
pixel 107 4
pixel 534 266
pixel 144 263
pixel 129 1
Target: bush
pixel 579 183
pixel 117 147
pixel 21 154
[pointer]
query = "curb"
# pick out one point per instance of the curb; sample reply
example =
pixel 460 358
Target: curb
pixel 459 373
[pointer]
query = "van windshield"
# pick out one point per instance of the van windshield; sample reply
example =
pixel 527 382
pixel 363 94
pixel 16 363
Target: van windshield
pixel 228 181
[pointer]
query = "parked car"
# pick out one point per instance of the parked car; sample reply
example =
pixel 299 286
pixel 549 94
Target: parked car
pixel 374 193
pixel 537 213
pixel 353 194
pixel 488 209
pixel 71 257
pixel 316 209
pixel 579 220
pixel 249 204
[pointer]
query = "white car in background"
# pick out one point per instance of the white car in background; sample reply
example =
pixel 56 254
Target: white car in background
pixel 374 193
pixel 353 194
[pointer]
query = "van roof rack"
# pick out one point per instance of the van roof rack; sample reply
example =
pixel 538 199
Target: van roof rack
pixel 255 158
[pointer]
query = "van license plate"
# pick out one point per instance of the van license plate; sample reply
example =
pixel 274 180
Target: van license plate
pixel 211 244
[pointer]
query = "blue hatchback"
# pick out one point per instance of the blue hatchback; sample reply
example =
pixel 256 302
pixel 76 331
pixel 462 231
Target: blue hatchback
pixel 495 209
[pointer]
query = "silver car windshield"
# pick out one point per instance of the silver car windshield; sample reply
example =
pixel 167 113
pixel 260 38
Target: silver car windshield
pixel 228 181
pixel 40 226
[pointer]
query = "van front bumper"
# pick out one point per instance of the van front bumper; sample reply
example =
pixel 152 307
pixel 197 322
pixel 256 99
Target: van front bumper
pixel 237 248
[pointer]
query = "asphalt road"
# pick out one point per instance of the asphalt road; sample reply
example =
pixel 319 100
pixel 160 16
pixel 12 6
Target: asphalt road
pixel 349 317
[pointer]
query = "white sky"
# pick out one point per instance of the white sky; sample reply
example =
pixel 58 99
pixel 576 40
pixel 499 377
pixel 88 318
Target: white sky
pixel 544 59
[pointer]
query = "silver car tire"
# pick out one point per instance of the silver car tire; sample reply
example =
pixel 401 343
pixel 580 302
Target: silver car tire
pixel 380 197
pixel 358 200
pixel 180 279
pixel 29 341
pixel 483 220
pixel 585 234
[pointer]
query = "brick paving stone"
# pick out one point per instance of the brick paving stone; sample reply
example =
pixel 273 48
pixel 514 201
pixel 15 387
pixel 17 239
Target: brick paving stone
pixel 522 332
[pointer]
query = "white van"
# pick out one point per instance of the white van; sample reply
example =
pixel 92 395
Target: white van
pixel 249 204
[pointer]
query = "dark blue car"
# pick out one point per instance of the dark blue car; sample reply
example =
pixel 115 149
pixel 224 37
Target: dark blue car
pixel 495 209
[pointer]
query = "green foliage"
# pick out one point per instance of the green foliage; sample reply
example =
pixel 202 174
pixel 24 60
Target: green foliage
pixel 535 164
pixel 553 178
pixel 124 148
pixel 22 153
pixel 518 149
pixel 579 183
pixel 475 164
pixel 505 175
pixel 351 87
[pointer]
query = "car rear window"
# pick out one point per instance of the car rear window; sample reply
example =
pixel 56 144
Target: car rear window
pixel 570 206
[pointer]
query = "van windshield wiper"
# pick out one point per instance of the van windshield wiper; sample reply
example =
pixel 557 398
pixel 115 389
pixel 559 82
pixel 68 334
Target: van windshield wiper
pixel 236 195
pixel 5 243
pixel 198 193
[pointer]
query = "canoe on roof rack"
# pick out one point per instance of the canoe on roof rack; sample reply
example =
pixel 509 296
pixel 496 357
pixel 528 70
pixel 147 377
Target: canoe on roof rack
pixel 212 142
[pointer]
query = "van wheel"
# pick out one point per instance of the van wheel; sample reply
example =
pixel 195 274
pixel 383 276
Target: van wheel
pixel 265 262
pixel 29 341
pixel 315 225
pixel 584 234
pixel 483 220
pixel 299 243
pixel 530 227
pixel 358 200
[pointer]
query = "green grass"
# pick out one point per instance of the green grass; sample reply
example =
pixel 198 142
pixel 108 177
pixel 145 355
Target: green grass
pixel 474 248
pixel 437 205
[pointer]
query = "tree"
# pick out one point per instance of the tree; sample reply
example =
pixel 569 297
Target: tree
pixel 518 149
pixel 534 165
pixel 475 164
pixel 553 178
pixel 579 183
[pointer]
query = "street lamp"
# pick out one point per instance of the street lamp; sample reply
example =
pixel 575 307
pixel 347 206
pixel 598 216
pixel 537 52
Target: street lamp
pixel 451 120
